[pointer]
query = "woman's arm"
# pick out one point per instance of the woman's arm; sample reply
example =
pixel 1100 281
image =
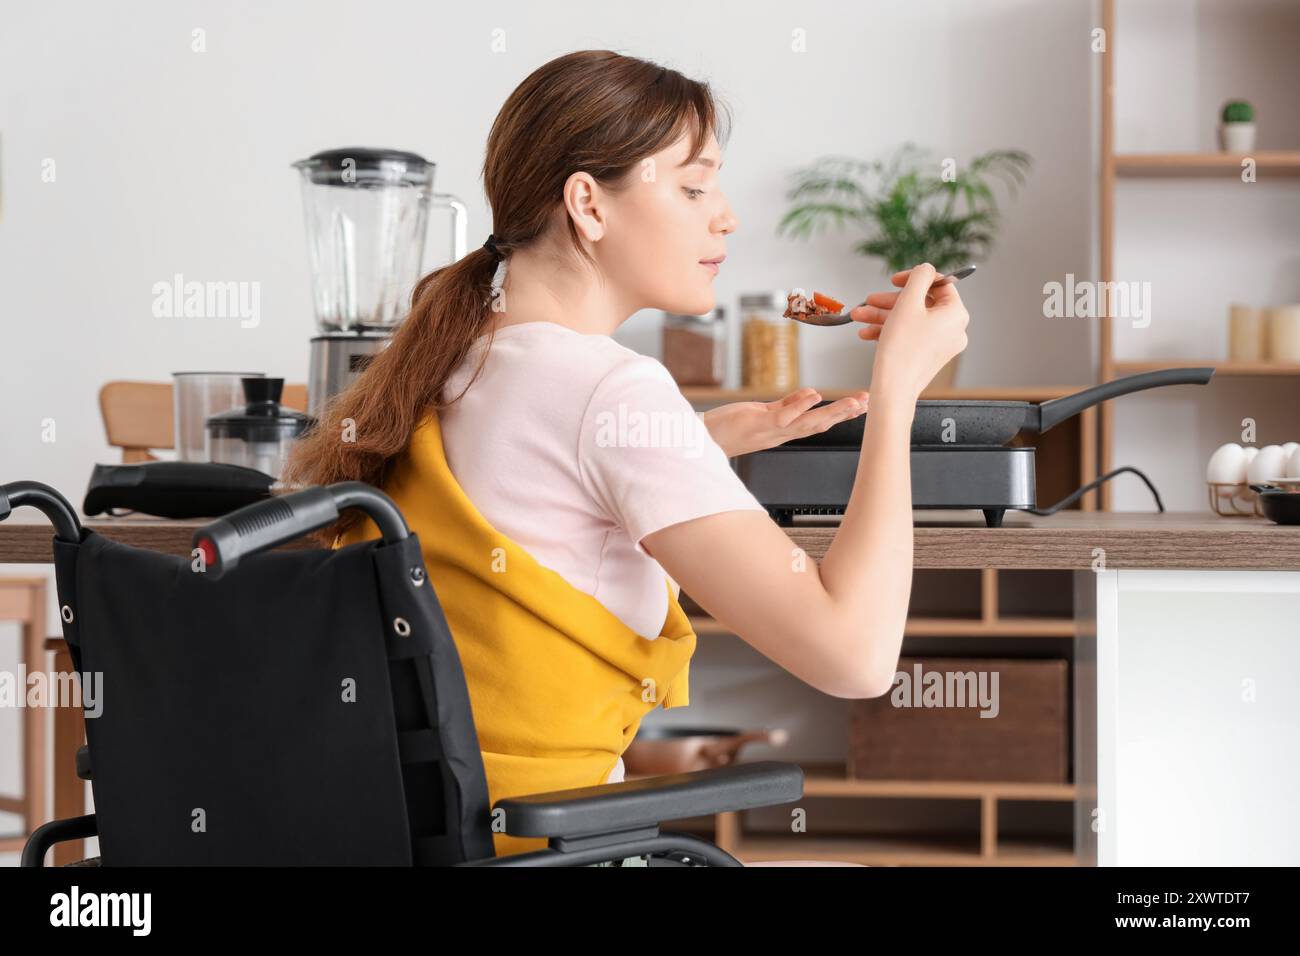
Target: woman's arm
pixel 837 626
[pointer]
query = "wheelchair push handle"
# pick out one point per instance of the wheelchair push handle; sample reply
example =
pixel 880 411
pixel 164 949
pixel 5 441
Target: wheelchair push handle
pixel 45 499
pixel 268 524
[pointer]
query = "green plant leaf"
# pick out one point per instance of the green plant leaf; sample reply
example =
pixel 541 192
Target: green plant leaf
pixel 910 212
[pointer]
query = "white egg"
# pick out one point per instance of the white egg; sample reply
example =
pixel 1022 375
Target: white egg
pixel 1293 466
pixel 1270 463
pixel 1227 465
pixel 1288 448
pixel 1251 452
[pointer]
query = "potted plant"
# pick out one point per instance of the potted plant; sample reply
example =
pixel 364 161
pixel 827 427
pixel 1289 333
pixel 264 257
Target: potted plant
pixel 1237 132
pixel 914 209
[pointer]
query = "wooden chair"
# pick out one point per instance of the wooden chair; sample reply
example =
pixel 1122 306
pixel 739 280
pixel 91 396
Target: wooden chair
pixel 22 599
pixel 138 416
pixel 69 735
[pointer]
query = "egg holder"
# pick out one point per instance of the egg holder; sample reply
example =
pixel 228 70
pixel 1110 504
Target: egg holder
pixel 1233 492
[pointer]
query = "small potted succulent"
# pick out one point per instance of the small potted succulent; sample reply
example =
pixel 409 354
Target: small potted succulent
pixel 1237 133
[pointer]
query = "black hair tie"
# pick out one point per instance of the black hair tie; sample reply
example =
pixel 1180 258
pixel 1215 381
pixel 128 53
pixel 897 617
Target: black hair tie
pixel 491 245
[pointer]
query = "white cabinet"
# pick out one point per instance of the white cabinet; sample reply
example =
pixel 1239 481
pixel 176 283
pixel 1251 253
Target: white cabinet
pixel 1188 717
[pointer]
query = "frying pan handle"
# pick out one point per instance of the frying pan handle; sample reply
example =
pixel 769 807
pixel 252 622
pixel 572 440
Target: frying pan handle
pixel 1057 410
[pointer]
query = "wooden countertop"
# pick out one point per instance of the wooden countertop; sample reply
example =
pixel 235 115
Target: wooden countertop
pixel 954 539
pixel 1067 541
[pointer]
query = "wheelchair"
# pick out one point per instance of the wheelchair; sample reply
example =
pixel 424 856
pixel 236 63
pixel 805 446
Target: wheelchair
pixel 307 707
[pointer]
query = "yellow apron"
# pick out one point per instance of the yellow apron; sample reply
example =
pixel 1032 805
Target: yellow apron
pixel 558 683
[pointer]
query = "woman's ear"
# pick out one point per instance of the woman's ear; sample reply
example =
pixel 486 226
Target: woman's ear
pixel 584 201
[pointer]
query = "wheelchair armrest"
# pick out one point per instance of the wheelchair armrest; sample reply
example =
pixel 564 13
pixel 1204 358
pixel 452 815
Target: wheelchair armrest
pixel 635 804
pixel 57 831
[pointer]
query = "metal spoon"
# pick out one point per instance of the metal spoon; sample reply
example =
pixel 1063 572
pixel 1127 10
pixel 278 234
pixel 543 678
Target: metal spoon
pixel 843 317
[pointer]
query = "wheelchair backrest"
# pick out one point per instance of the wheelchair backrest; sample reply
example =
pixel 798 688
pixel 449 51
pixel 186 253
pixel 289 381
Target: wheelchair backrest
pixel 307 708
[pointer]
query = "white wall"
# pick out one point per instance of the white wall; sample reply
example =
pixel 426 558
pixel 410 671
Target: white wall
pixel 173 161
pixel 170 161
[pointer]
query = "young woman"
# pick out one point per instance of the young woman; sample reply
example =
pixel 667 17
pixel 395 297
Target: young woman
pixel 563 488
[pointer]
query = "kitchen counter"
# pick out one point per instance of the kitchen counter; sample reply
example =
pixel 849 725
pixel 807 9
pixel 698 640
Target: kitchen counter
pixel 1069 540
pixel 1066 541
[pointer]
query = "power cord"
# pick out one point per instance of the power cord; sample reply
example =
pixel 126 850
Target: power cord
pixel 1075 496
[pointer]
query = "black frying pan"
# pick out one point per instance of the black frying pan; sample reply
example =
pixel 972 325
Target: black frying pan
pixel 996 423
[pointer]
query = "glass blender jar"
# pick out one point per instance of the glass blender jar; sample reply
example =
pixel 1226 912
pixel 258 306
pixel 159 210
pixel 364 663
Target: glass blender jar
pixel 367 213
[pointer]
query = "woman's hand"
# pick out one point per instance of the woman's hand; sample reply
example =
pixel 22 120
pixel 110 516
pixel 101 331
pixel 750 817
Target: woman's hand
pixel 919 329
pixel 743 427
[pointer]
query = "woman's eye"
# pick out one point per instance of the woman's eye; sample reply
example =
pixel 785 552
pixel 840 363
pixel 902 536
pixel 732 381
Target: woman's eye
pixel 693 193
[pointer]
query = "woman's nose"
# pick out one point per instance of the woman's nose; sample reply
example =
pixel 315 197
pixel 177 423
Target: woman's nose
pixel 727 222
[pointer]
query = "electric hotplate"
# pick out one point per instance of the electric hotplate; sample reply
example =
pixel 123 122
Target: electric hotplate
pixel 803 480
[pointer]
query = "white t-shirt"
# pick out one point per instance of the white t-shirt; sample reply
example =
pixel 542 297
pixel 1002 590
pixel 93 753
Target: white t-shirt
pixel 576 447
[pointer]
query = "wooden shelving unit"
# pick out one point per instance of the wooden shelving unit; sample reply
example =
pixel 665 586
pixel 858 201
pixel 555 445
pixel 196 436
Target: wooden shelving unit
pixel 1192 166
pixel 983 847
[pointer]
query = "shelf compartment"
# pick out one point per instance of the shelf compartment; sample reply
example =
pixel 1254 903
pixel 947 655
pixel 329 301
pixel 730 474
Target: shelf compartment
pixel 1029 742
pixel 1026 627
pixel 1036 595
pixel 981 844
pixel 941 849
pixel 1221 366
pixel 832 780
pixel 946 595
pixel 1284 162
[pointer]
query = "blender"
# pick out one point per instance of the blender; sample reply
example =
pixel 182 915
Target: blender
pixel 367 212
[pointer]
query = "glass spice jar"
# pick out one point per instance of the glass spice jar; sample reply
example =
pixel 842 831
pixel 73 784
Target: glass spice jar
pixel 695 347
pixel 769 342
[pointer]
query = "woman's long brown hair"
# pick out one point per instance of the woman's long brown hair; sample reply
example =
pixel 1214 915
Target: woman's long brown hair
pixel 592 111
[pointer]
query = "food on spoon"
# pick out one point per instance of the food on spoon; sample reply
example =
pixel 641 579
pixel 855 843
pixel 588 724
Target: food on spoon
pixel 827 302
pixel 798 305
